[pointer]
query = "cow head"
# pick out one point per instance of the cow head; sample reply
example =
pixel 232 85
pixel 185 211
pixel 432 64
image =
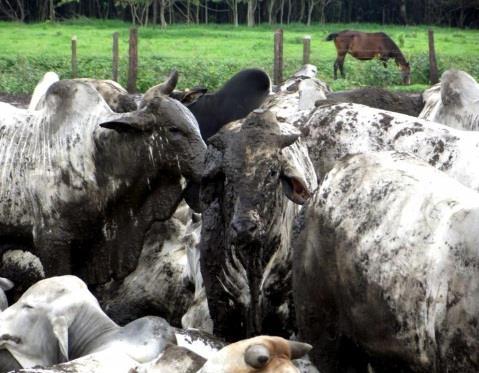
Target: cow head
pixel 263 354
pixel 169 132
pixel 251 170
pixel 34 330
pixel 256 168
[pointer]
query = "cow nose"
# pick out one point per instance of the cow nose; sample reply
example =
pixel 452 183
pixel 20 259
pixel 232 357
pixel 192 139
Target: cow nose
pixel 244 227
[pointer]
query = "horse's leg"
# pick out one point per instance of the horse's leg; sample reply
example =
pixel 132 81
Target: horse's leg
pixel 340 61
pixel 335 69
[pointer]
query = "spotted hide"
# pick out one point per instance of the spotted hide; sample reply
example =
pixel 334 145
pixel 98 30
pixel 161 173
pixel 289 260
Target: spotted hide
pixel 333 131
pixel 388 262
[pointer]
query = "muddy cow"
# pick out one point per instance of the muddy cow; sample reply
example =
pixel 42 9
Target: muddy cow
pixel 64 165
pixel 453 102
pixel 379 98
pixel 256 174
pixel 387 262
pixel 335 130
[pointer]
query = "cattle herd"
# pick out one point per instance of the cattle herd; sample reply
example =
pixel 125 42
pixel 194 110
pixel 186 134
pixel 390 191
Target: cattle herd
pixel 253 229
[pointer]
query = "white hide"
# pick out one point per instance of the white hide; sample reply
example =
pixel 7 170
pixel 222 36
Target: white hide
pixel 389 252
pixel 454 102
pixel 58 319
pixel 41 88
pixel 334 131
pixel 101 362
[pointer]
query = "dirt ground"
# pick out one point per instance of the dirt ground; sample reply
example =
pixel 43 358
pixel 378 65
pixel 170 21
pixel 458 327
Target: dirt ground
pixel 20 100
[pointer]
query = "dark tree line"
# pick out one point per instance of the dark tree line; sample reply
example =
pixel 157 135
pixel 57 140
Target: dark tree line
pixel 461 13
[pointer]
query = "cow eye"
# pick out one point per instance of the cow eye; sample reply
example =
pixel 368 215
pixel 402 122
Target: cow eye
pixel 273 173
pixel 27 306
pixel 175 131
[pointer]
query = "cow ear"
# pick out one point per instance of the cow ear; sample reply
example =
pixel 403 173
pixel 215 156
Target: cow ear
pixel 128 123
pixel 60 330
pixel 5 283
pixel 193 95
pixel 298 349
pixel 191 195
pixel 298 175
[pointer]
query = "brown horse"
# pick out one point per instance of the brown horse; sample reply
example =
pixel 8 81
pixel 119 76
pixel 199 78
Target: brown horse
pixel 366 46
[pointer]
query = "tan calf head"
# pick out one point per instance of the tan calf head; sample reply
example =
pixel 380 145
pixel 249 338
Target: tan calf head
pixel 259 354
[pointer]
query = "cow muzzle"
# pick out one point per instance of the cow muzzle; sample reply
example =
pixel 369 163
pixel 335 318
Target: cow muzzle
pixel 244 229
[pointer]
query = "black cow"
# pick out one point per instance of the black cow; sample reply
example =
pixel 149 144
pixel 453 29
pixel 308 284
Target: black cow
pixel 240 95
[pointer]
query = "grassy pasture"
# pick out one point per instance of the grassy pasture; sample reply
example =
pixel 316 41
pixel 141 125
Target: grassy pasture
pixel 208 55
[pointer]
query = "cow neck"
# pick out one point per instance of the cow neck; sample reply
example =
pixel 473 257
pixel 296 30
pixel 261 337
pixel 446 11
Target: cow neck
pixel 89 331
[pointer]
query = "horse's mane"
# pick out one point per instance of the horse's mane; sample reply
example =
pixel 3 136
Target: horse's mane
pixel 394 49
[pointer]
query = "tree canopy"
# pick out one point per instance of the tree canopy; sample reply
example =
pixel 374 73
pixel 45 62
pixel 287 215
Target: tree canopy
pixel 460 13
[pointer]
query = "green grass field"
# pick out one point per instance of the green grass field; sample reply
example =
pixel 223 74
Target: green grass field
pixel 208 55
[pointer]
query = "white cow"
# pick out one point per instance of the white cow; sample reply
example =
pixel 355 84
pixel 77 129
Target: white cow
pixel 388 259
pixel 453 102
pixel 333 131
pixel 58 319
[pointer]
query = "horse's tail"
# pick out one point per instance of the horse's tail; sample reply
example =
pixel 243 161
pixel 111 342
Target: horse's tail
pixel 332 36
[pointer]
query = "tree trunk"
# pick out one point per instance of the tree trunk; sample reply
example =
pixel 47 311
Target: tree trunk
pixel 206 12
pixel 323 16
pixel 461 15
pixel 290 9
pixel 52 11
pixel 235 12
pixel 155 12
pixel 188 6
pixel 162 14
pixel 302 10
pixel 281 14
pixel 270 11
pixel 251 11
pixel 402 11
pixel 310 11
pixel 170 11
pixel 197 16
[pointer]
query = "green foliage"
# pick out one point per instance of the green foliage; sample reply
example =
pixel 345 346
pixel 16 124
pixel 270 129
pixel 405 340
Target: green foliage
pixel 208 55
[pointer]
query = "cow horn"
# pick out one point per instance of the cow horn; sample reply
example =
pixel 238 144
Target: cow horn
pixel 165 88
pixel 299 349
pixel 170 83
pixel 287 139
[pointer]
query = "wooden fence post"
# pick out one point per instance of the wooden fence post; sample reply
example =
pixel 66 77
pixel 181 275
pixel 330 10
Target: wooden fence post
pixel 114 64
pixel 433 73
pixel 132 60
pixel 306 49
pixel 278 57
pixel 74 58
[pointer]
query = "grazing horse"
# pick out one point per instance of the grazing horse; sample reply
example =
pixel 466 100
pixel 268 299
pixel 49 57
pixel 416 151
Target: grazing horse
pixel 366 46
